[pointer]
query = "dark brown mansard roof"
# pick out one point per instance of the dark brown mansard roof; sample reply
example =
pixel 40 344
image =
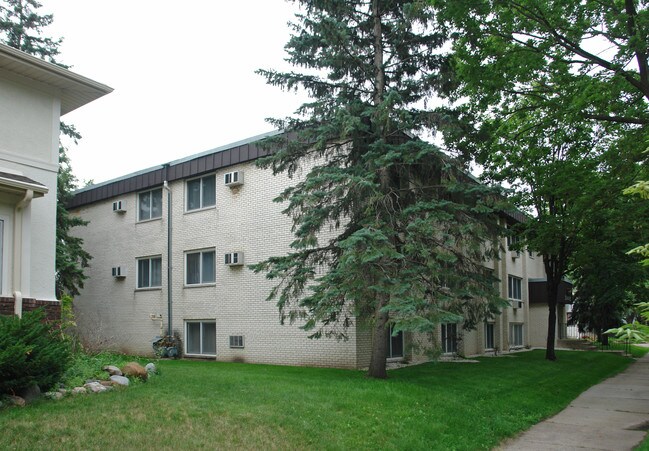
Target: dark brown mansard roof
pixel 221 157
pixel 194 165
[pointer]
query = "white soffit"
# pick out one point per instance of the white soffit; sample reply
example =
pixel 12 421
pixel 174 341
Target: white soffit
pixel 76 90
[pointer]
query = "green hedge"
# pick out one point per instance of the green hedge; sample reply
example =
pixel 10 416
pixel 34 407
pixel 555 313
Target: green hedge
pixel 32 352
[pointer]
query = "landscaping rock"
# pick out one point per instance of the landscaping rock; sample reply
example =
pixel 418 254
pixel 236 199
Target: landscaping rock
pixel 150 368
pixel 106 383
pixel 55 395
pixel 16 401
pixel 95 387
pixel 113 370
pixel 30 394
pixel 134 369
pixel 79 391
pixel 63 391
pixel 119 380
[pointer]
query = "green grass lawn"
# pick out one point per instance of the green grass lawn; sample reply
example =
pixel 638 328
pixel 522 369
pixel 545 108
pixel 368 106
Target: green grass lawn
pixel 200 404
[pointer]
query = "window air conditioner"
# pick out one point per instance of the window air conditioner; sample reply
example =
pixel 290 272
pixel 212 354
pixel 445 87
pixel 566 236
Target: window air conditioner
pixel 119 206
pixel 517 304
pixel 233 178
pixel 234 259
pixel 119 272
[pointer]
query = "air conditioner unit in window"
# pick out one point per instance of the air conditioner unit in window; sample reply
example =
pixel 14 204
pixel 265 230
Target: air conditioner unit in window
pixel 517 304
pixel 515 255
pixel 119 206
pixel 119 272
pixel 234 259
pixel 234 178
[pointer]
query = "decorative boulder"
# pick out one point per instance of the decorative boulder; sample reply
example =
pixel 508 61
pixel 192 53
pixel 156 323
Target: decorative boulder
pixel 119 380
pixel 79 391
pixel 30 393
pixel 55 395
pixel 112 370
pixel 150 368
pixel 95 387
pixel 16 401
pixel 134 369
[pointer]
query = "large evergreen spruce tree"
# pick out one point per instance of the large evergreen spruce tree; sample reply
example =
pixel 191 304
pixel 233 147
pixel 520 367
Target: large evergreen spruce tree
pixel 390 233
pixel 21 27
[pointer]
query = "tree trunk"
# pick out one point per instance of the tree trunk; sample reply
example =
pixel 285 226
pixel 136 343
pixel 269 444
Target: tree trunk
pixel 553 273
pixel 379 343
pixel 552 329
pixel 603 338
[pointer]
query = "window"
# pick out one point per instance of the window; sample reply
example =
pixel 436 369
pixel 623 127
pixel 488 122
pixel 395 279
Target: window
pixel 149 272
pixel 200 337
pixel 489 342
pixel 514 290
pixel 199 267
pixel 395 344
pixel 512 241
pixel 236 341
pixel 201 193
pixel 515 335
pixel 449 338
pixel 149 205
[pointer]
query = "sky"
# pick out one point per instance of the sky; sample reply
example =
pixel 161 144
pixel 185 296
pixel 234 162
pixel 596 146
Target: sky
pixel 182 73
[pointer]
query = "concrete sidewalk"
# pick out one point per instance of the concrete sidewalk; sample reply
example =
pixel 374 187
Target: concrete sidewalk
pixel 613 415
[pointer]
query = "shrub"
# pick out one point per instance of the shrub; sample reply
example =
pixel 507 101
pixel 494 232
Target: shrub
pixel 32 352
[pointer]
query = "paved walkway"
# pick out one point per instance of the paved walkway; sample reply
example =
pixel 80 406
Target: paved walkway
pixel 613 415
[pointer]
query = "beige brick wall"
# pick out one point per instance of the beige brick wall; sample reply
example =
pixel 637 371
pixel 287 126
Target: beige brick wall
pixel 113 313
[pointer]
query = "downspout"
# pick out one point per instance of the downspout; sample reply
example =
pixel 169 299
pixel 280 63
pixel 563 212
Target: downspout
pixel 18 250
pixel 169 266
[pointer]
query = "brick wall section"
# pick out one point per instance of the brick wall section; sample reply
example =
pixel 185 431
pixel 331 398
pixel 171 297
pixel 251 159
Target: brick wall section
pixel 112 314
pixel 52 308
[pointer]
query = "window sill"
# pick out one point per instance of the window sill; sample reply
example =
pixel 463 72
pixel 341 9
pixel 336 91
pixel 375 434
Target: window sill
pixel 144 221
pixel 196 210
pixel 201 356
pixel 148 289
pixel 200 285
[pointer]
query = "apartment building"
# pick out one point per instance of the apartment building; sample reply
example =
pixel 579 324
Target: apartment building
pixel 171 247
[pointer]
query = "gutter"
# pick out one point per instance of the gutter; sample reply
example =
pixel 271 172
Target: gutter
pixel 18 251
pixel 169 255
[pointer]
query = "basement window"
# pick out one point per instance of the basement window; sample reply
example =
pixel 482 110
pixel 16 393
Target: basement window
pixel 236 341
pixel 200 338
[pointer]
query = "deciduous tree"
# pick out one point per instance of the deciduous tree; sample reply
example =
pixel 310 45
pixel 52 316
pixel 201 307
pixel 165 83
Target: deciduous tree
pixel 550 86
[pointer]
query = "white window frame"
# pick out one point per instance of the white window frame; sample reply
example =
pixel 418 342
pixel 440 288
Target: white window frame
pixel 202 323
pixel 449 345
pixel 520 331
pixel 151 217
pixel 201 200
pixel 201 252
pixel 137 273
pixel 512 281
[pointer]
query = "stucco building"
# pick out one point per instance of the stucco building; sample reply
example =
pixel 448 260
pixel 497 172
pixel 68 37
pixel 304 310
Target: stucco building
pixel 173 243
pixel 33 96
